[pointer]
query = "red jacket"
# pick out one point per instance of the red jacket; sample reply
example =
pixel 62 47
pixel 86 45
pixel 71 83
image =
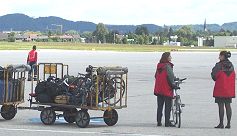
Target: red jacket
pixel 224 85
pixel 32 56
pixel 162 86
pixel 224 82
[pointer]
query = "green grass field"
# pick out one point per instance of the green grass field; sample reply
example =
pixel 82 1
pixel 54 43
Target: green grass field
pixel 99 47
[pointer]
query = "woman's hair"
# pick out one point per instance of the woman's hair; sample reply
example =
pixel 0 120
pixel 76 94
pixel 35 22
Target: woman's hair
pixel 226 54
pixel 34 47
pixel 164 57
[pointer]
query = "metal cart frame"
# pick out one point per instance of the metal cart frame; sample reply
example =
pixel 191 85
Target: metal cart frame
pixel 12 89
pixel 70 112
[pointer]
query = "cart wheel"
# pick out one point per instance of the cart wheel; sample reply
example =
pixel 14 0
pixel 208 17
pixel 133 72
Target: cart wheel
pixel 69 115
pixel 48 116
pixel 110 117
pixel 8 112
pixel 82 119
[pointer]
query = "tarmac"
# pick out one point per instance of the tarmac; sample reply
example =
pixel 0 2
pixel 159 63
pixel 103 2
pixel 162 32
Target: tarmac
pixel 199 116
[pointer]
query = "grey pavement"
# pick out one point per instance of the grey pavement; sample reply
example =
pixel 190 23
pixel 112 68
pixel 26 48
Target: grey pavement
pixel 199 117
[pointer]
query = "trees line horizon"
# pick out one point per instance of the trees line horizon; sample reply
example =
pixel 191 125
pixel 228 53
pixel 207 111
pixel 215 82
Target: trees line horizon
pixel 185 35
pixel 140 34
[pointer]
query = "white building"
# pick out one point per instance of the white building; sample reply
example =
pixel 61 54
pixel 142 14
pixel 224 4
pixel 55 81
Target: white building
pixel 225 41
pixel 172 43
pixel 200 41
pixel 83 40
pixel 175 43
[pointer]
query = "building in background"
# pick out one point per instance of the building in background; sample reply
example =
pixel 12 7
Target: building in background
pixel 225 41
pixel 3 36
pixel 200 41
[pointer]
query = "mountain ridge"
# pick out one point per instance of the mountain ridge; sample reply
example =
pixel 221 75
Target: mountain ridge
pixel 22 22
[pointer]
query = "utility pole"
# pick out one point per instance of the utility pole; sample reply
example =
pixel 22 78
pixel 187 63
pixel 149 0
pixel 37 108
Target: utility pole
pixel 114 37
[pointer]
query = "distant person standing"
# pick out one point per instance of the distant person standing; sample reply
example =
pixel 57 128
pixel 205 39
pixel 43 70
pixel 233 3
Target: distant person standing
pixel 164 85
pixel 32 61
pixel 224 76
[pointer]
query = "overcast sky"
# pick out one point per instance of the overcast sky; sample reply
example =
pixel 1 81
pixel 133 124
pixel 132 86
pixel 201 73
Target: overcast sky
pixel 129 12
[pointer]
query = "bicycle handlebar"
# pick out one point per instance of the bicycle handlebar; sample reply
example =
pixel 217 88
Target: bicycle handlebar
pixel 81 74
pixel 181 80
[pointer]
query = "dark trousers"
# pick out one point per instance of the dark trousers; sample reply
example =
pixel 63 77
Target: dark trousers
pixel 32 66
pixel 161 100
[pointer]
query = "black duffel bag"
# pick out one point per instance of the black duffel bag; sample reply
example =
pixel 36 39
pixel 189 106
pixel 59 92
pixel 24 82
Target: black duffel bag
pixel 47 91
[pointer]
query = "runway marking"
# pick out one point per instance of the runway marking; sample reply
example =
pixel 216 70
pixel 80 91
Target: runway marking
pixel 75 132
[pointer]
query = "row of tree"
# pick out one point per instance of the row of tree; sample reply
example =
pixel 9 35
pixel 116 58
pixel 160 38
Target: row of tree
pixel 185 35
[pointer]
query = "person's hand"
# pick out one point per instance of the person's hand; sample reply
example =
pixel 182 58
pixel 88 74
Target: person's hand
pixel 176 79
pixel 176 88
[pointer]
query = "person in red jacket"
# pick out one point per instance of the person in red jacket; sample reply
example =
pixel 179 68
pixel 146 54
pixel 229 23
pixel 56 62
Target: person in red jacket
pixel 164 85
pixel 224 76
pixel 32 61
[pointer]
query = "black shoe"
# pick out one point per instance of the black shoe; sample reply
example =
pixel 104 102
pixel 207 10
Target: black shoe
pixel 159 124
pixel 28 79
pixel 169 125
pixel 220 126
pixel 228 126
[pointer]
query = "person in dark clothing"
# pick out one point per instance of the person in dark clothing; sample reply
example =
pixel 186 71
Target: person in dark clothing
pixel 32 61
pixel 224 76
pixel 164 85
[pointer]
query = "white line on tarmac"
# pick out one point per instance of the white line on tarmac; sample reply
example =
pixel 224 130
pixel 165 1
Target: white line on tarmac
pixel 75 132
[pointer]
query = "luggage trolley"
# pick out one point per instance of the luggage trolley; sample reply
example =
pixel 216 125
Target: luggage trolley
pixel 101 88
pixel 12 85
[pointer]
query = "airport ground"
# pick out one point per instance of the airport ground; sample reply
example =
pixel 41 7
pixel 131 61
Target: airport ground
pixel 199 117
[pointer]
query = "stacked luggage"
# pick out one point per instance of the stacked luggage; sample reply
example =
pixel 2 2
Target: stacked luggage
pixel 83 89
pixel 11 85
pixel 61 91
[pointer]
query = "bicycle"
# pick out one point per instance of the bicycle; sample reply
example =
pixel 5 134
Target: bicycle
pixel 108 86
pixel 177 105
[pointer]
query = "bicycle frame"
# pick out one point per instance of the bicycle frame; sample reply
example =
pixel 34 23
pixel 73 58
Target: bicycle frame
pixel 177 105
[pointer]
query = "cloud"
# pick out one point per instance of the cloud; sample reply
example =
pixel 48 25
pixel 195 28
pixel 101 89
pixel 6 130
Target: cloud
pixel 3 8
pixel 159 12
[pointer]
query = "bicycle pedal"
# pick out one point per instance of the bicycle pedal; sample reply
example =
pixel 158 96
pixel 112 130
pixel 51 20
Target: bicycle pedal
pixel 182 105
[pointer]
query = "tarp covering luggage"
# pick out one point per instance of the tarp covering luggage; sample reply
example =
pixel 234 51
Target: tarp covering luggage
pixel 12 85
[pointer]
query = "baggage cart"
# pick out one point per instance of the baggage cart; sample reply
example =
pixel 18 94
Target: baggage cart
pixel 12 86
pixel 101 88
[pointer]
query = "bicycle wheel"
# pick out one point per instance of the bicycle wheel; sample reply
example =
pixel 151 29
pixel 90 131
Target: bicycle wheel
pixel 179 118
pixel 114 90
pixel 81 81
pixel 174 113
pixel 178 112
